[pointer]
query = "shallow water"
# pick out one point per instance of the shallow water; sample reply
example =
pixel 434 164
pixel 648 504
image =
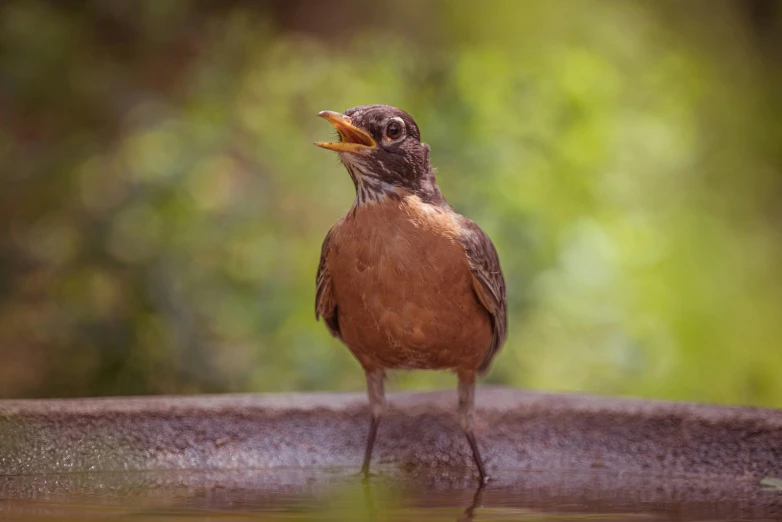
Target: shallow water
pixel 319 496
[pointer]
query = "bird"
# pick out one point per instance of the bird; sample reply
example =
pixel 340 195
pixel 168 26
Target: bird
pixel 404 281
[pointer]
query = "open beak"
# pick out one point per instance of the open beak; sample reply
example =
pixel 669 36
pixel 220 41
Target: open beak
pixel 353 139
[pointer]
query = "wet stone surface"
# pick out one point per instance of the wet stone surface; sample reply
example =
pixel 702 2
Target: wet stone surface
pixel 338 495
pixel 273 456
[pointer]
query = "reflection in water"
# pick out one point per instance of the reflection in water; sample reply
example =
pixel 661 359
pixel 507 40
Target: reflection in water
pixel 466 516
pixel 285 495
pixel 367 486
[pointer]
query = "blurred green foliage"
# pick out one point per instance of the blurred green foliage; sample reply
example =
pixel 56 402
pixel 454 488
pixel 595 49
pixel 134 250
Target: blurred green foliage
pixel 162 207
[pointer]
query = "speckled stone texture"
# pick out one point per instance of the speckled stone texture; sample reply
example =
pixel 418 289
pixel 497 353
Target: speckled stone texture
pixel 544 452
pixel 517 430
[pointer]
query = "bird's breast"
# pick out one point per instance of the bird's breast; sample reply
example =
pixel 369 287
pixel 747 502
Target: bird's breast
pixel 394 246
pixel 403 286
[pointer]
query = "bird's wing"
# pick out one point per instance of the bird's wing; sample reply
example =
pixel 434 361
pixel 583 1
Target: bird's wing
pixel 325 304
pixel 487 282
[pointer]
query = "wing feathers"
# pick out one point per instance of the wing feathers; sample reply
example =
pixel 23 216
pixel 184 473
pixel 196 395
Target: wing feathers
pixel 488 283
pixel 325 305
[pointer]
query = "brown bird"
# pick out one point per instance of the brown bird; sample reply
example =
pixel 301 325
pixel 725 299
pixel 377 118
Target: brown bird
pixel 404 281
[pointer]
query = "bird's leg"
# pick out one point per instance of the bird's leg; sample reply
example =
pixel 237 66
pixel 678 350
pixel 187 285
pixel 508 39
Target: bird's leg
pixel 467 418
pixel 377 404
pixel 469 513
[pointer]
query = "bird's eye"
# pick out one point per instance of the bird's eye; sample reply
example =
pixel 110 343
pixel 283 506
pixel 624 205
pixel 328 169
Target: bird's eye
pixel 394 130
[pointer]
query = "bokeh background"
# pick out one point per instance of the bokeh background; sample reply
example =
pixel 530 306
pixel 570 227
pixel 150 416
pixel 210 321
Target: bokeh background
pixel 162 206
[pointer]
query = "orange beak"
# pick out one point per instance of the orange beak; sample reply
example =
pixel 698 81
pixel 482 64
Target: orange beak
pixel 353 139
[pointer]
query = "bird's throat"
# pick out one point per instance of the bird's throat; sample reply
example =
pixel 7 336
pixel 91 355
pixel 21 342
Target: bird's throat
pixel 370 186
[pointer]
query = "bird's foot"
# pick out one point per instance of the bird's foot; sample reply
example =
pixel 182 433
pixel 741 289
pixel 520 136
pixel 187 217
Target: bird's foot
pixel 367 475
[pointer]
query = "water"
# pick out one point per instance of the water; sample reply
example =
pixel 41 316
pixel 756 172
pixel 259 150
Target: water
pixel 303 495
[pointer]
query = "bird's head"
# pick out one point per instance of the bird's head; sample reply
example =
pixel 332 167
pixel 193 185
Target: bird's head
pixel 381 148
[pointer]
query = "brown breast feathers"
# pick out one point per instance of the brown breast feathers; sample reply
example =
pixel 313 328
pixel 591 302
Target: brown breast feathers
pixel 398 289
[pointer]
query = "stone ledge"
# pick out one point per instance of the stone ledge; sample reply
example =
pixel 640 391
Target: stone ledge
pixel 517 430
